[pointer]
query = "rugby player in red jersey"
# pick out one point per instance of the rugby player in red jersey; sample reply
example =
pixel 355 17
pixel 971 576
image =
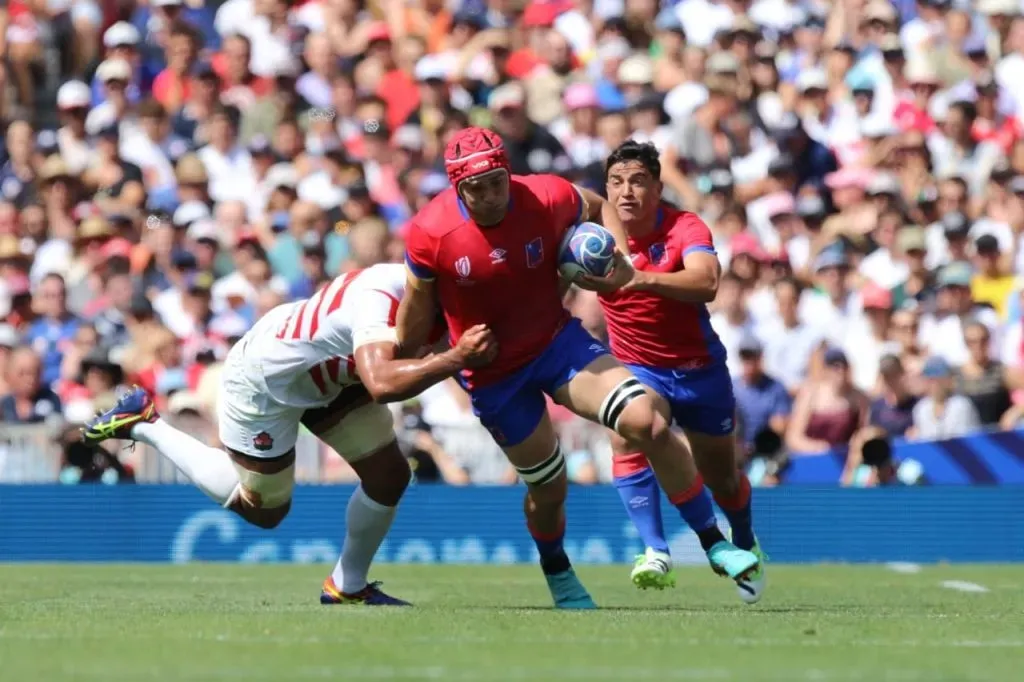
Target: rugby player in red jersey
pixel 658 325
pixel 486 252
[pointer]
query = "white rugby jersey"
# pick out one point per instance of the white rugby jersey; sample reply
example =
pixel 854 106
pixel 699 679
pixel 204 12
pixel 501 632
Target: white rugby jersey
pixel 303 351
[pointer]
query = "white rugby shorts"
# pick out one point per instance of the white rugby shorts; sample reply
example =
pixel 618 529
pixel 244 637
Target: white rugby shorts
pixel 250 421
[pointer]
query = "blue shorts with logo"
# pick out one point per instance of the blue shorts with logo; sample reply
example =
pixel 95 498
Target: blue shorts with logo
pixel 512 408
pixel 701 400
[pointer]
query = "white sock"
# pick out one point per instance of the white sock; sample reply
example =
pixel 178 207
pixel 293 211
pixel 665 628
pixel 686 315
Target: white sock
pixel 210 469
pixel 366 524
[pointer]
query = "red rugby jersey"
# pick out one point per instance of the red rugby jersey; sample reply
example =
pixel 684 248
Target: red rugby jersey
pixel 504 276
pixel 646 329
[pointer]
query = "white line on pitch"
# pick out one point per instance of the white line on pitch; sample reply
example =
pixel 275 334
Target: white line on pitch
pixel 904 567
pixel 963 586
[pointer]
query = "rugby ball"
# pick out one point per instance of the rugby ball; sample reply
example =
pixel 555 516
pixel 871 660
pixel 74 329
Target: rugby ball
pixel 587 249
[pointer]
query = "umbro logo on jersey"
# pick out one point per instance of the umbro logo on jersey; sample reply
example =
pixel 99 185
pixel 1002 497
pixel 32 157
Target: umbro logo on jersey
pixel 498 256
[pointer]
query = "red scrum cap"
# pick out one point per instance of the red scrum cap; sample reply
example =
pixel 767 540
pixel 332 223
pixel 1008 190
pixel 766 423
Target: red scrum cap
pixel 474 151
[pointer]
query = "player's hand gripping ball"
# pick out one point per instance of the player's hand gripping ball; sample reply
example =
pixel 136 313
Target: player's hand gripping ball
pixel 587 249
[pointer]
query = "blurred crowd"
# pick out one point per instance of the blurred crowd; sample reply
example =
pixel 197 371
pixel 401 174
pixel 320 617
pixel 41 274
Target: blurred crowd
pixel 172 170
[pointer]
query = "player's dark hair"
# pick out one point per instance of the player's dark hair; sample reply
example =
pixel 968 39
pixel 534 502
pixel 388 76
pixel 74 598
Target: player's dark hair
pixel 643 152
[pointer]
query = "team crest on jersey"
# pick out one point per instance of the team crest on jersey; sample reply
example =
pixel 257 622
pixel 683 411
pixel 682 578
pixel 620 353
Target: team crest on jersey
pixel 262 441
pixel 498 256
pixel 535 253
pixel 462 267
pixel 657 253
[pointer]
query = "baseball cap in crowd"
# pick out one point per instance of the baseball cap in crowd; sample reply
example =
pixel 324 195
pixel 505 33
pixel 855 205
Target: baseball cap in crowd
pixel 184 260
pixel 750 346
pixel 911 238
pixel 121 34
pixel 722 64
pixel 811 80
pixel 114 69
pixel 746 244
pixel 936 368
pixel 204 230
pixel 999 8
pixel 580 96
pixel 507 96
pixel 958 274
pixel 199 283
pixel 94 228
pixel 831 258
pixel 779 204
pixel 955 225
pixel 409 138
pixel 875 297
pixel 259 145
pixel 987 245
pixel 810 206
pixel 73 95
pixel 47 142
pixel 189 212
pixel 848 177
pixel 835 357
pixel 118 247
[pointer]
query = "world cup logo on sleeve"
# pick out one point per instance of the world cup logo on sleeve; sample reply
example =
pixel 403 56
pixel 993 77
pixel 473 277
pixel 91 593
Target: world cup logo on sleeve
pixel 462 267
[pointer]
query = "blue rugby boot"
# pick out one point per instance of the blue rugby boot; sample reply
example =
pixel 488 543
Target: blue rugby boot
pixel 727 559
pixel 568 592
pixel 133 407
pixel 371 595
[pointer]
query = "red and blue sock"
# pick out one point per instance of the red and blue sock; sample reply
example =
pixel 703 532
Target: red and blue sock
pixel 641 496
pixel 694 505
pixel 737 509
pixel 550 546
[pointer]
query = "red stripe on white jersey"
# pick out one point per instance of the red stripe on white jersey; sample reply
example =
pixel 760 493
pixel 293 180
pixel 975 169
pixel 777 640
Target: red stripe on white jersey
pixel 316 372
pixel 393 312
pixel 332 367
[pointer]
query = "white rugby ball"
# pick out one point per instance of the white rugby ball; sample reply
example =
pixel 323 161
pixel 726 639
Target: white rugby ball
pixel 586 249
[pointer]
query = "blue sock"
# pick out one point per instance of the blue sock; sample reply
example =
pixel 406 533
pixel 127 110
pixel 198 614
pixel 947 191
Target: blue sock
pixel 737 510
pixel 553 558
pixel 642 497
pixel 694 505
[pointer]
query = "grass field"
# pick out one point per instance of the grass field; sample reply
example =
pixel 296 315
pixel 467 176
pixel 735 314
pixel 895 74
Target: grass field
pixel 217 622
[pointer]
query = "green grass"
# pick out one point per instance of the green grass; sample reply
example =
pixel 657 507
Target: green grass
pixel 217 622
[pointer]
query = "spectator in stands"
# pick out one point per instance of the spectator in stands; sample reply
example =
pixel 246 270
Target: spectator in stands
pixel 54 327
pixel 981 378
pixel 828 410
pixel 30 399
pixel 941 413
pixel 892 411
pixel 762 402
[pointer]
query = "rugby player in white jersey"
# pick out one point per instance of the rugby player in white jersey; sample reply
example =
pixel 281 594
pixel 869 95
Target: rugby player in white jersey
pixel 328 362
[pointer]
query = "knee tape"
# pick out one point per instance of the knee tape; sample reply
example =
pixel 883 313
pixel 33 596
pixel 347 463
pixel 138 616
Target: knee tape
pixel 546 471
pixel 616 401
pixel 362 432
pixel 266 491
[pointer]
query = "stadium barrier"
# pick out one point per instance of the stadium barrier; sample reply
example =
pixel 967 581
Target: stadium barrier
pixel 30 454
pixel 443 524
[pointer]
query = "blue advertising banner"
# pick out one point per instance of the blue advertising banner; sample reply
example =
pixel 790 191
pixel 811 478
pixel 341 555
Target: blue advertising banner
pixel 440 524
pixel 982 459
